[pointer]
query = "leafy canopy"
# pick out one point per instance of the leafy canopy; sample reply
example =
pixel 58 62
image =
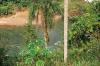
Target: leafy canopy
pixel 48 7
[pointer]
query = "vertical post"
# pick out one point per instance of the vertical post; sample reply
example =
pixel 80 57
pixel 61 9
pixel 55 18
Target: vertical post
pixel 65 29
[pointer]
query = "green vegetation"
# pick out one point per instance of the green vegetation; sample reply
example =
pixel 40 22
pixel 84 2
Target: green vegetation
pixel 5 10
pixel 84 31
pixel 47 11
pixel 10 6
pixel 22 47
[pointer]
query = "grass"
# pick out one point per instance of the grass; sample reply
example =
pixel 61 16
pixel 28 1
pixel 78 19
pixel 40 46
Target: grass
pixel 85 56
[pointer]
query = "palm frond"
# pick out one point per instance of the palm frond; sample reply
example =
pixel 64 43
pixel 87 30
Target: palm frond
pixel 32 10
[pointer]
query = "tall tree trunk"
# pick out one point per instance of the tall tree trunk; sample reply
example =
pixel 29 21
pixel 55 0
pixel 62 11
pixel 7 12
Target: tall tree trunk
pixel 46 36
pixel 45 27
pixel 65 29
pixel 43 21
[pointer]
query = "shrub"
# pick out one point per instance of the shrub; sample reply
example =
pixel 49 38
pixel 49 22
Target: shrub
pixel 23 3
pixel 36 54
pixel 5 10
pixel 81 27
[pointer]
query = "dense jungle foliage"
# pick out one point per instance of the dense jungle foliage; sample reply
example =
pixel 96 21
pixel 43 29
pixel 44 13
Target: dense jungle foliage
pixel 83 43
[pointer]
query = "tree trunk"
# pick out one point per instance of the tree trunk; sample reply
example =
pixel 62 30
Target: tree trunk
pixel 45 28
pixel 65 29
pixel 46 36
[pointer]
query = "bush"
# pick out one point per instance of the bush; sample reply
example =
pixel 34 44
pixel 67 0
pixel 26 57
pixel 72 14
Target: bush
pixel 23 3
pixel 81 27
pixel 87 55
pixel 7 6
pixel 5 10
pixel 36 54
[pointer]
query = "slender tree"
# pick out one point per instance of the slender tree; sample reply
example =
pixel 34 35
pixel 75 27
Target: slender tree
pixel 47 9
pixel 65 29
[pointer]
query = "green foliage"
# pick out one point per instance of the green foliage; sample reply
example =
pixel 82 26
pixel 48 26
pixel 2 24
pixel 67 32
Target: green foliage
pixel 81 27
pixel 35 54
pixel 23 3
pixel 33 51
pixel 49 9
pixel 97 9
pixel 86 55
pixel 5 10
pixel 29 33
pixel 9 6
pixel 40 63
pixel 84 31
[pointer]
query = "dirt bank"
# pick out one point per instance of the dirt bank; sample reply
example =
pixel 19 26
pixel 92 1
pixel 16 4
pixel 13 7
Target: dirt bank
pixel 20 19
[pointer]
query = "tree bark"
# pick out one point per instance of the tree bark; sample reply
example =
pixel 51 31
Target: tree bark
pixel 65 29
pixel 45 29
pixel 46 36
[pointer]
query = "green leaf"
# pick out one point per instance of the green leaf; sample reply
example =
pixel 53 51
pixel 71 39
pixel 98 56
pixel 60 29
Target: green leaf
pixel 40 63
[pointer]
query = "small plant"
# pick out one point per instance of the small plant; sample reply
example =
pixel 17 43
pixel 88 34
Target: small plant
pixel 35 53
pixel 40 63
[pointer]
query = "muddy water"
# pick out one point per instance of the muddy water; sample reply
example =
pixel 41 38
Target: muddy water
pixel 12 38
pixel 11 33
pixel 55 33
pixel 21 18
